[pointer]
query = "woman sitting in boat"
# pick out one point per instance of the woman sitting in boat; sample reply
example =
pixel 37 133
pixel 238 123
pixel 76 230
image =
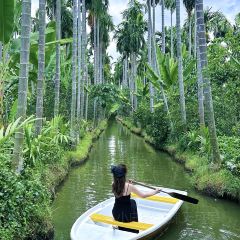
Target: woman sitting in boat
pixel 125 208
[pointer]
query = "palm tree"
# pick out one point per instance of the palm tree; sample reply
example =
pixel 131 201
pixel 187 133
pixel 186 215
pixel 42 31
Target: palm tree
pixel 171 5
pixel 74 64
pixel 150 53
pixel 84 46
pixel 163 26
pixel 180 68
pixel 41 65
pixel 23 82
pixel 200 91
pixel 189 5
pixel 57 77
pixel 1 47
pixel 79 60
pixel 201 34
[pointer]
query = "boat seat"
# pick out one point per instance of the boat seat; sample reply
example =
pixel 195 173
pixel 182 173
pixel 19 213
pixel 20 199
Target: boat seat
pixel 109 220
pixel 158 198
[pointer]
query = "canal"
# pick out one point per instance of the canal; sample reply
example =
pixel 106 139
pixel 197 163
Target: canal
pixel 211 219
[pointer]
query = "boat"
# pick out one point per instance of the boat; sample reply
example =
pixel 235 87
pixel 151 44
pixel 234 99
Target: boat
pixel 154 215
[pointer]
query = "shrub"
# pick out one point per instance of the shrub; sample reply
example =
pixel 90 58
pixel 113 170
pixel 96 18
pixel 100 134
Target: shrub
pixel 23 200
pixel 158 127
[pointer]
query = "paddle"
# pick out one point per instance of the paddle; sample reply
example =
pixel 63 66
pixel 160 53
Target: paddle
pixel 172 194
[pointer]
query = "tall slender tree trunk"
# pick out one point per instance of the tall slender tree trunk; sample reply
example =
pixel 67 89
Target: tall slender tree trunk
pixel 134 82
pixel 150 52
pixel 200 91
pixel 201 34
pixel 180 68
pixel 131 81
pixel 190 36
pixel 172 53
pixel 100 62
pixel 1 51
pixel 98 50
pixel 79 60
pixel 23 82
pixel 163 27
pixel 84 46
pixel 1 87
pixel 86 107
pixel 195 34
pixel 58 37
pixel 74 64
pixel 41 65
pixel 95 48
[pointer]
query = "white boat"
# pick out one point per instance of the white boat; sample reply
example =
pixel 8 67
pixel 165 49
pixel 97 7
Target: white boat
pixel 154 215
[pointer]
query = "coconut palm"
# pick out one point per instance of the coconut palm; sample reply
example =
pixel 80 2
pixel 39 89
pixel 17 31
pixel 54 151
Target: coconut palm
pixel 149 43
pixel 163 26
pixel 171 5
pixel 41 65
pixel 189 5
pixel 79 60
pixel 57 76
pixel 83 52
pixel 201 34
pixel 180 68
pixel 74 64
pixel 23 82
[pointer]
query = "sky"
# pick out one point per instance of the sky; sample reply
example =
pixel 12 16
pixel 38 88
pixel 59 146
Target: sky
pixel 229 8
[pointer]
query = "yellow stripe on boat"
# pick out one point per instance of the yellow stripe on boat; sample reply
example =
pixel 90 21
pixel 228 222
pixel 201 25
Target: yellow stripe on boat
pixel 158 198
pixel 109 220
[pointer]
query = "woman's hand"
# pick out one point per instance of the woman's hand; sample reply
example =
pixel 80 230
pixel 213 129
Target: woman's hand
pixel 130 181
pixel 158 190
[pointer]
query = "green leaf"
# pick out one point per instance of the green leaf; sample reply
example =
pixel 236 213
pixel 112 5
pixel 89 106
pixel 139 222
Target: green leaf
pixel 6 19
pixel 114 108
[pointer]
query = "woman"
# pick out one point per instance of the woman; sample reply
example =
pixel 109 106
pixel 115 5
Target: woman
pixel 125 208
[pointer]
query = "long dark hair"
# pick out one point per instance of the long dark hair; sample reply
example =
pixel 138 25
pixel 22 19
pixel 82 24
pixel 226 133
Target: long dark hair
pixel 119 182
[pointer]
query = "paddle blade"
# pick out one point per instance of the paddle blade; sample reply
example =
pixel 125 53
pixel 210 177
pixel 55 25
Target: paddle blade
pixel 184 197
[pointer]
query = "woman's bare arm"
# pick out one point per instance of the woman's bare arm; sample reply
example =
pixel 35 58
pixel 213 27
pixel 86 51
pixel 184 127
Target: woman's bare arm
pixel 143 194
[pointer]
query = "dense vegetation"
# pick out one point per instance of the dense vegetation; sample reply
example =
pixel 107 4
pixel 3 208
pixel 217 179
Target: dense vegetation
pixel 179 87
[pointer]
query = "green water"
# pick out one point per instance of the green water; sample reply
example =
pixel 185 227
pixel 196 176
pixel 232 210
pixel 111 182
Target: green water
pixel 91 183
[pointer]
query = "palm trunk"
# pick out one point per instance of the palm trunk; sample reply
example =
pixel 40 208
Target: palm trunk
pixel 131 82
pixel 95 49
pixel 74 63
pixel 98 51
pixel 180 70
pixel 190 36
pixel 172 54
pixel 150 52
pixel 195 34
pixel 1 87
pixel 100 62
pixel 163 27
pixel 23 82
pixel 1 51
pixel 41 65
pixel 86 107
pixel 200 92
pixel 84 46
pixel 134 82
pixel 58 37
pixel 79 60
pixel 201 33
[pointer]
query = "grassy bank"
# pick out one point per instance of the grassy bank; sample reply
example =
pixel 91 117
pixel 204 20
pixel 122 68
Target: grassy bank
pixel 56 173
pixel 221 183
pixel 26 198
